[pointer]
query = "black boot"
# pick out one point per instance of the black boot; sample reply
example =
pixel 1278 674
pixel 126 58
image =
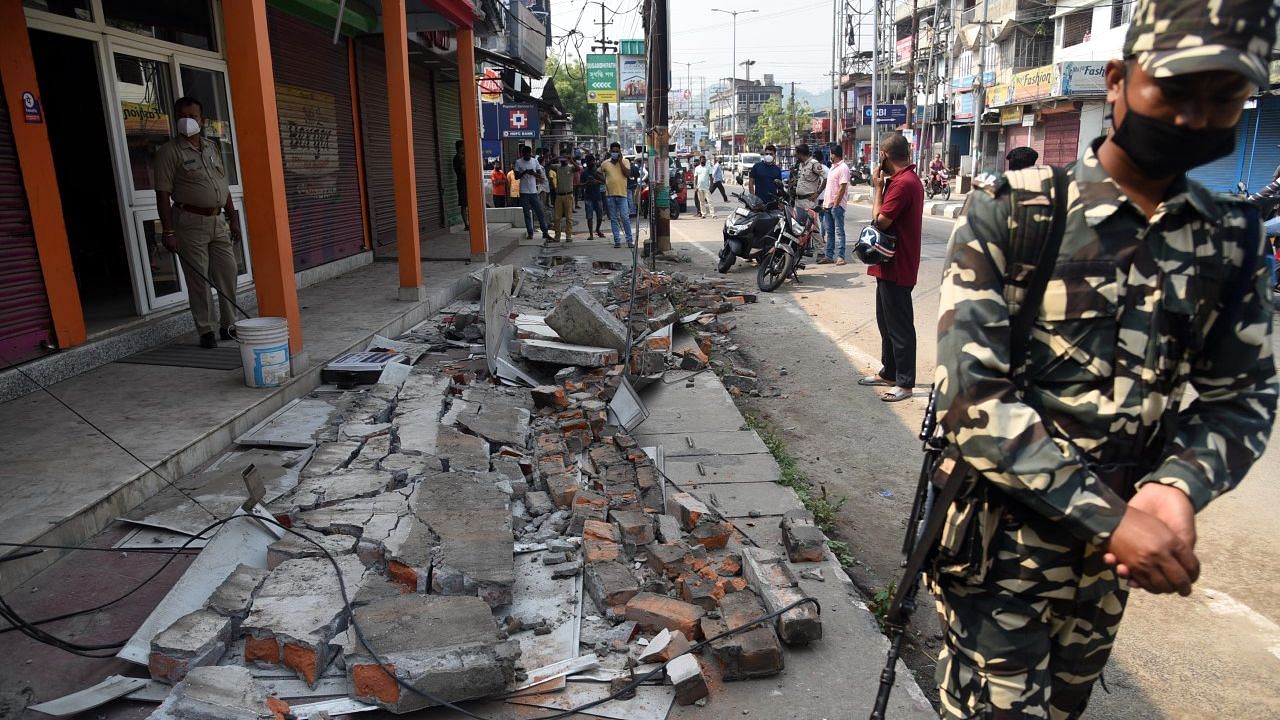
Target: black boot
pixel 208 341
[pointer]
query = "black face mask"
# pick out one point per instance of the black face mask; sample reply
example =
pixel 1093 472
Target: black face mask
pixel 1163 149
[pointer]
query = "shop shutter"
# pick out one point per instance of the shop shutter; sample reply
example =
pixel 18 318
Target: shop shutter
pixel 317 136
pixel 1222 174
pixel 375 117
pixel 1061 138
pixel 1263 134
pixel 26 327
pixel 449 119
pixel 426 159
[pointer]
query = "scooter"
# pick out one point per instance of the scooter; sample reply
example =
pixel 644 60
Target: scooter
pixel 939 183
pixel 794 231
pixel 748 232
pixel 859 173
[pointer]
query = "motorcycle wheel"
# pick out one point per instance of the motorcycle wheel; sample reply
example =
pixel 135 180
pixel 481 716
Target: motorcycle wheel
pixel 946 193
pixel 675 210
pixel 774 268
pixel 928 191
pixel 726 260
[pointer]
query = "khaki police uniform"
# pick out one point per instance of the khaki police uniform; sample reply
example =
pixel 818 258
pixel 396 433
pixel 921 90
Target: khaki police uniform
pixel 197 180
pixel 564 184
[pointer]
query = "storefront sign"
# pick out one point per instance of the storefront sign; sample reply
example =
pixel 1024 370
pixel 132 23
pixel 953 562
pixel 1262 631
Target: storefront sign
pixel 632 74
pixel 902 48
pixel 963 106
pixel 144 118
pixel 1080 79
pixel 1032 84
pixel 602 78
pixel 519 122
pixel 1011 115
pixel 491 86
pixel 998 95
pixel 1029 120
pixel 965 82
pixel 442 43
pixel 885 114
pixel 31 109
pixel 309 128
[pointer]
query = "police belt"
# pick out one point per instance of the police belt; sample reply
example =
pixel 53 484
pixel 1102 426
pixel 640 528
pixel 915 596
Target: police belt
pixel 197 209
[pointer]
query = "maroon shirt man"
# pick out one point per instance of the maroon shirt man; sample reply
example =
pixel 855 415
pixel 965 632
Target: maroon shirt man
pixel 897 208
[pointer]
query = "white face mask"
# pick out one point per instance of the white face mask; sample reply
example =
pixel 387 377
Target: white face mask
pixel 188 126
pixel 768 159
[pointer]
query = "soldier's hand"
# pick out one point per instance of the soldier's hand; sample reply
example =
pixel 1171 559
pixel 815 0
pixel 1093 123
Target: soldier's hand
pixel 1172 507
pixel 1150 555
pixel 170 242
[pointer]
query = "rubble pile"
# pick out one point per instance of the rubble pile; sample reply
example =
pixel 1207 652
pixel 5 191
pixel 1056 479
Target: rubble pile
pixel 425 493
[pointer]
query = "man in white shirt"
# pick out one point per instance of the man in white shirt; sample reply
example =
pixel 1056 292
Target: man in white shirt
pixel 530 175
pixel 833 201
pixel 702 180
pixel 717 177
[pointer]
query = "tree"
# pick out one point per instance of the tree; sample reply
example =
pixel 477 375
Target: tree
pixel 778 124
pixel 571 83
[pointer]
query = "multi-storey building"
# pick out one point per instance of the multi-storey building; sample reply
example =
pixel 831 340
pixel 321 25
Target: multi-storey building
pixel 747 96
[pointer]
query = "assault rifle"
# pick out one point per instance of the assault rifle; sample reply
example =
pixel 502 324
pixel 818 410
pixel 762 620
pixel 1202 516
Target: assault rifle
pixel 928 513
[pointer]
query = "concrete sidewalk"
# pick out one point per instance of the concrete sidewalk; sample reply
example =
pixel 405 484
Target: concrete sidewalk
pixel 63 481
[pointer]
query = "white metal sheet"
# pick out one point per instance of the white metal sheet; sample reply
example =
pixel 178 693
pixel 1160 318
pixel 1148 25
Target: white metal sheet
pixel 116 686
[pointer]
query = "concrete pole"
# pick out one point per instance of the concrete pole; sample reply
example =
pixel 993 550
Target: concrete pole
pixel 875 71
pixel 979 92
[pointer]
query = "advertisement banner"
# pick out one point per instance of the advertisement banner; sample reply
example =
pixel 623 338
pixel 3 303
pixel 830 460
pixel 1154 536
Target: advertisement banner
pixel 602 78
pixel 633 77
pixel 1032 84
pixel 309 124
pixel 519 122
pixel 491 86
pixel 1080 79
pixel 999 95
pixel 963 106
pixel 902 48
pixel 1011 115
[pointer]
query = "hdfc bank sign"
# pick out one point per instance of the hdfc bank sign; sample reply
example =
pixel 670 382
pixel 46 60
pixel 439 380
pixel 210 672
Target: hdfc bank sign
pixel 519 122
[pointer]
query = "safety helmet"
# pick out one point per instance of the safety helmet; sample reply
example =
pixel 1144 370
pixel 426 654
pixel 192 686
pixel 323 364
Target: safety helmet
pixel 875 246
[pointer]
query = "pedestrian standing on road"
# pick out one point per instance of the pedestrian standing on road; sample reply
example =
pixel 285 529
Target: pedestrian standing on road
pixel 897 208
pixel 593 195
pixel 529 172
pixel 809 178
pixel 833 202
pixel 717 177
pixel 565 183
pixel 1087 467
pixel 460 182
pixel 498 179
pixel 765 175
pixel 1021 157
pixel 702 181
pixel 198 219
pixel 544 182
pixel 616 170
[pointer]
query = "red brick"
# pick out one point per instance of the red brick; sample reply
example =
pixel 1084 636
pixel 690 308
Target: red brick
pixel 402 575
pixel 302 661
pixel 375 681
pixel 265 650
pixel 279 708
pixel 654 612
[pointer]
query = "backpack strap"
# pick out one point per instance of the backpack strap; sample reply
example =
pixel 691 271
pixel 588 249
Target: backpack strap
pixel 1034 243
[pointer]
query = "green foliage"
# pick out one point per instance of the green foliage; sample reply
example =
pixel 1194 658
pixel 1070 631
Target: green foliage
pixel 570 80
pixel 778 123
pixel 880 602
pixel 824 509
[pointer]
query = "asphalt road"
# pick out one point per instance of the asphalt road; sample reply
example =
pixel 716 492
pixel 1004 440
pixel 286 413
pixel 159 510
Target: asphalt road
pixel 1214 654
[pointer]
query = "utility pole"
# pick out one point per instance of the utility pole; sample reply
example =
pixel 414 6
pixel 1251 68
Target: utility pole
pixel 979 92
pixel 604 45
pixel 911 70
pixel 733 74
pixel 793 113
pixel 875 70
pixel 657 115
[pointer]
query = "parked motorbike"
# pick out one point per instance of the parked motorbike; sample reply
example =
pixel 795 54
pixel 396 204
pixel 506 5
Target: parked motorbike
pixel 860 173
pixel 792 235
pixel 938 184
pixel 748 232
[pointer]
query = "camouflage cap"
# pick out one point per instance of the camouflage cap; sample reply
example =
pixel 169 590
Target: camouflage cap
pixel 1178 37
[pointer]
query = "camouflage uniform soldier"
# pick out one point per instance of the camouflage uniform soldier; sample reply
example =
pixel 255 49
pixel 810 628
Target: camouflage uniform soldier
pixel 1090 476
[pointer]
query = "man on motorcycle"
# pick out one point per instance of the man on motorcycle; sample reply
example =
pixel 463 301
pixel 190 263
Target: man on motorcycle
pixel 936 167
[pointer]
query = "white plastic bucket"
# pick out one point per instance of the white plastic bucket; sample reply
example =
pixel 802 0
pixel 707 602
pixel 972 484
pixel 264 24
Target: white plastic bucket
pixel 264 350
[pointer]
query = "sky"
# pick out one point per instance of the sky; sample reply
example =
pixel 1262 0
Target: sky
pixel 792 42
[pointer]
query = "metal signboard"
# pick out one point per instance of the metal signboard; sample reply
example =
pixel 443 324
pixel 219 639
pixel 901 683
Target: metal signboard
pixel 602 78
pixel 885 115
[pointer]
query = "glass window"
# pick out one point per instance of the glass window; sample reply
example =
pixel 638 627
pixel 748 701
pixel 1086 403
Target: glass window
pixel 146 101
pixel 78 9
pixel 185 22
pixel 210 88
pixel 163 264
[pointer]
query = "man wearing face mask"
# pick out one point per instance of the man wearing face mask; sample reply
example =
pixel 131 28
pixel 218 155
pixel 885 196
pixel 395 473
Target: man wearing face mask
pixel 198 219
pixel 616 170
pixel 1087 467
pixel 765 175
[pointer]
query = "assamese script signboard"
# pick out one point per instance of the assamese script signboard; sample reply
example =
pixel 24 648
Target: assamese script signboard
pixel 602 78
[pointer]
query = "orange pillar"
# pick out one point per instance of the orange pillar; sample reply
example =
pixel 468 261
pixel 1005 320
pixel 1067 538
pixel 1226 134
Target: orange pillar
pixel 39 179
pixel 257 122
pixel 395 41
pixel 471 149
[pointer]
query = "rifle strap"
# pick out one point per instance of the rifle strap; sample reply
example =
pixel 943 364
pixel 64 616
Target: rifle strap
pixel 1020 325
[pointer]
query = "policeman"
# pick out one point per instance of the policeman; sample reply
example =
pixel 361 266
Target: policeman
pixel 198 218
pixel 1088 469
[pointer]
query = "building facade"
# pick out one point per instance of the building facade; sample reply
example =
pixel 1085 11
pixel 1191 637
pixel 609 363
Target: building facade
pixel 746 98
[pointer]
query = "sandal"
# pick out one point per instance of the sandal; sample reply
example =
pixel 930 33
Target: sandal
pixel 875 380
pixel 896 395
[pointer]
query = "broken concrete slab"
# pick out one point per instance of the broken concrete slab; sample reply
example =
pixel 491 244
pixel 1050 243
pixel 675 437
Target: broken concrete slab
pixel 371 453
pixel 539 503
pixel 687 678
pixel 297 612
pixel 330 456
pixel 224 692
pixel 292 547
pixel 469 524
pixel 196 639
pixel 749 654
pixel 802 537
pixel 665 647
pixel 769 575
pixel 319 490
pixel 718 469
pixel 448 647
pixel 564 354
pixel 418 429
pixel 235 595
pixel 580 319
pixel 725 442
pixel 459 451
pixel 748 499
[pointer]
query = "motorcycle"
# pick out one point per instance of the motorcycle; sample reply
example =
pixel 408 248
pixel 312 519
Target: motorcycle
pixel 938 184
pixel 748 232
pixel 795 229
pixel 859 173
